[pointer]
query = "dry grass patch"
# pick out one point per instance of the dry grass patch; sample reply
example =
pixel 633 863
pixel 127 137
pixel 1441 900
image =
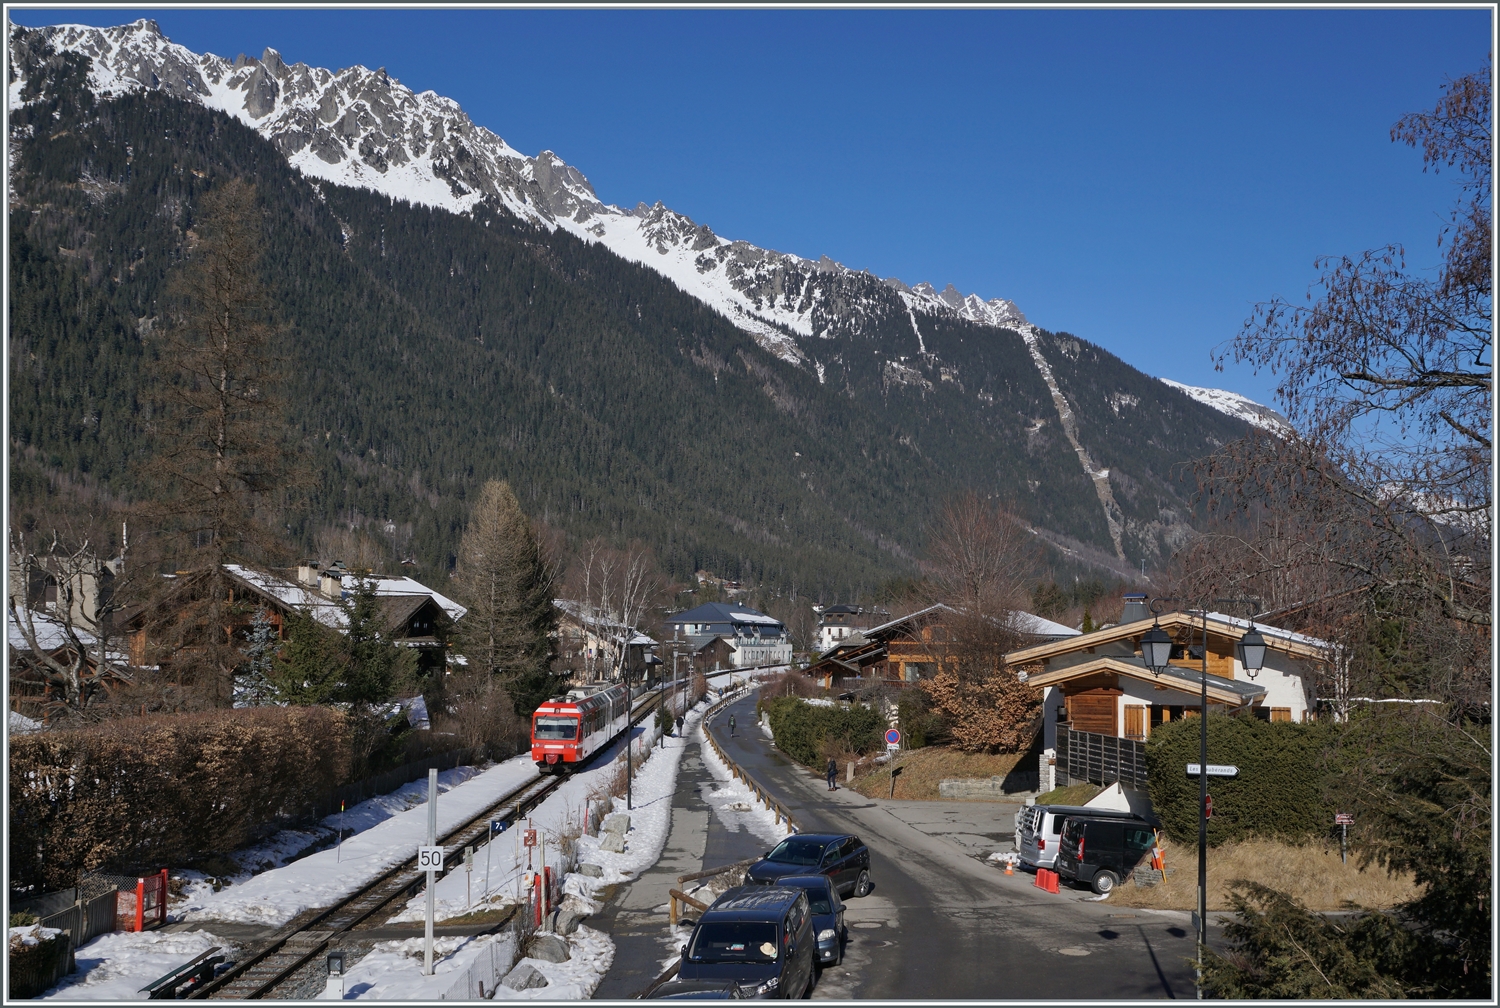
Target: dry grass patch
pixel 1311 874
pixel 922 769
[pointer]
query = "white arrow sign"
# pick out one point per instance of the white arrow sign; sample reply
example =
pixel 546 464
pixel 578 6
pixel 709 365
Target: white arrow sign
pixel 1214 770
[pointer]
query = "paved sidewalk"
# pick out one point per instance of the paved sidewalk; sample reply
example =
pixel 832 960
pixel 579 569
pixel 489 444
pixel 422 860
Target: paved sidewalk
pixel 637 916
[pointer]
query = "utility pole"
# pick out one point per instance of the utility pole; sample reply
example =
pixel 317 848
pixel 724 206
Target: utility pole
pixel 432 780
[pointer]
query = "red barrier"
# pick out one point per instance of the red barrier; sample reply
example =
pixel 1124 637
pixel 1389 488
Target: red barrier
pixel 1046 880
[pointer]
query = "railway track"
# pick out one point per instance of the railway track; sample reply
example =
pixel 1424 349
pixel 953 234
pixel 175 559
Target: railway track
pixel 263 969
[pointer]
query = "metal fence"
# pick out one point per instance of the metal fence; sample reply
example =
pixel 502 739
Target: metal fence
pixel 479 981
pixel 1100 759
pixel 85 919
pixel 37 972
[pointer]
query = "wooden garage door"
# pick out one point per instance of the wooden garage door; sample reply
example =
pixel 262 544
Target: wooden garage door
pixel 1094 711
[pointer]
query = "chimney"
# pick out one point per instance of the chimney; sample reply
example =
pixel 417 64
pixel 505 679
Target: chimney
pixel 1135 608
pixel 307 573
pixel 332 584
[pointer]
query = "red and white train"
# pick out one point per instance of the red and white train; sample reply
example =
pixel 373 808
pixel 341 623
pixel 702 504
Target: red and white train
pixel 567 730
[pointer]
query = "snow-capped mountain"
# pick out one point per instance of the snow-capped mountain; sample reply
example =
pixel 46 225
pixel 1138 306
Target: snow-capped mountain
pixel 1236 405
pixel 363 128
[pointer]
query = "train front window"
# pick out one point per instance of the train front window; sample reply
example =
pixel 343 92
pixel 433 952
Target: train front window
pixel 557 728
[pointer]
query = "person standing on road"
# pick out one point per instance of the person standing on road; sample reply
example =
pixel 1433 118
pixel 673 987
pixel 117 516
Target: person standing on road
pixel 731 726
pixel 833 774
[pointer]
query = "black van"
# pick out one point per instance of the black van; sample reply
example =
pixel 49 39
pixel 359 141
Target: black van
pixel 1100 852
pixel 759 936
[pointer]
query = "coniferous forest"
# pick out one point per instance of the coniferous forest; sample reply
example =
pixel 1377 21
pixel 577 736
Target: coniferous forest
pixel 423 353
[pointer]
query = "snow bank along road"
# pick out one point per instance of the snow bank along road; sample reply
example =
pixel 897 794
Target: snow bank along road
pixel 944 925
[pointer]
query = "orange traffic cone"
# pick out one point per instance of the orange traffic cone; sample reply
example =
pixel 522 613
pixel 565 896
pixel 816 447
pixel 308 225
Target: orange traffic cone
pixel 1008 869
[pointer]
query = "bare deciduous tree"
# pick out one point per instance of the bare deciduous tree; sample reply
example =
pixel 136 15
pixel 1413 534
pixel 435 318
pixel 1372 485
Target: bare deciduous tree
pixel 981 560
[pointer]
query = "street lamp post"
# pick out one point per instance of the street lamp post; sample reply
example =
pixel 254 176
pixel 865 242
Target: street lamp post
pixel 1156 649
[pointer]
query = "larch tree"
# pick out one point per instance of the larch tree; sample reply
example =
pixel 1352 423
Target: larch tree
pixel 219 463
pixel 505 580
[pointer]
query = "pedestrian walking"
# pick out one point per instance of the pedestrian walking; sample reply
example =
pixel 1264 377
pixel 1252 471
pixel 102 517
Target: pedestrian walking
pixel 833 774
pixel 731 726
pixel 679 724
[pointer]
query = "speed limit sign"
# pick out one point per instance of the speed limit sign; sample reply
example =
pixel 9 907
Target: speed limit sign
pixel 528 838
pixel 429 859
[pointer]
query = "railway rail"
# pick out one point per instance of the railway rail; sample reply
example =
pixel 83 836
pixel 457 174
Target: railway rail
pixel 263 969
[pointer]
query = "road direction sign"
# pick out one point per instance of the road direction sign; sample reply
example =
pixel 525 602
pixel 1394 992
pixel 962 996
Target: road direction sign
pixel 429 859
pixel 893 737
pixel 1344 819
pixel 1214 770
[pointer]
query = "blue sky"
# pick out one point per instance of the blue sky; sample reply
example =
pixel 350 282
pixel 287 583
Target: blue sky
pixel 1137 177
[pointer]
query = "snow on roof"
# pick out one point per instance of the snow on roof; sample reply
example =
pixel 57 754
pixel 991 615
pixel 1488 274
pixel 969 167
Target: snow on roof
pixel 323 609
pixel 641 638
pixel 754 617
pixel 718 612
pixel 386 584
pixel 1033 624
pixel 20 724
pixel 295 595
pixel 49 633
pixel 1267 630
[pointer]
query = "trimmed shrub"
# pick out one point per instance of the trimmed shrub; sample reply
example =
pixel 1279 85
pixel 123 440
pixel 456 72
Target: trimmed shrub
pixel 803 730
pixel 141 793
pixel 1279 791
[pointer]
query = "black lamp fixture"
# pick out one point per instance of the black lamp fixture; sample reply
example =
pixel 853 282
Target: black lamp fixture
pixel 1252 651
pixel 1156 645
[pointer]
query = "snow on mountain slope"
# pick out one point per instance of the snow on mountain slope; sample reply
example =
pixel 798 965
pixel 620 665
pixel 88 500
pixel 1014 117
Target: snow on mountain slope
pixel 1235 405
pixel 363 128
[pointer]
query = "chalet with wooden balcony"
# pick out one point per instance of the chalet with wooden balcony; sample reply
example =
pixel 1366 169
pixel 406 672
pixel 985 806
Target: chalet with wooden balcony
pixel 1098 682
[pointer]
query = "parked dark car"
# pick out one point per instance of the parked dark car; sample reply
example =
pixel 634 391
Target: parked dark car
pixel 840 856
pixel 761 937
pixel 698 990
pixel 1100 852
pixel 827 914
pixel 1038 828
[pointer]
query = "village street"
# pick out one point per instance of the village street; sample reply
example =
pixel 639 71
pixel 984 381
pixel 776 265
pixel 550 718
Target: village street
pixel 949 925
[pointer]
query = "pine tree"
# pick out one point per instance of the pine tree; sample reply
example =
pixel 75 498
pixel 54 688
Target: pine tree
pixel 506 583
pixel 253 686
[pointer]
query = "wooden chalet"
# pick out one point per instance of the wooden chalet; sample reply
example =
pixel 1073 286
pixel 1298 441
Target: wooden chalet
pixel 901 652
pixel 1098 682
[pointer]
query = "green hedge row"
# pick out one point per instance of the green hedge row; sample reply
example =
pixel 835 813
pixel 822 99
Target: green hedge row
pixel 802 729
pixel 1279 792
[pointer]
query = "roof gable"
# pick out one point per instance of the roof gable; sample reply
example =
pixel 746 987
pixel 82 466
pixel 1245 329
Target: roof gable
pixel 1294 644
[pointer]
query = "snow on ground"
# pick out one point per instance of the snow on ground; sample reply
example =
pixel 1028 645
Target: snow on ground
pixel 275 896
pixel 591 954
pixel 561 818
pixel 735 804
pixel 114 967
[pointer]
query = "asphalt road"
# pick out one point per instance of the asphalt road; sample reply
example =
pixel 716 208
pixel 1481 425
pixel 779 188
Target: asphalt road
pixel 941 924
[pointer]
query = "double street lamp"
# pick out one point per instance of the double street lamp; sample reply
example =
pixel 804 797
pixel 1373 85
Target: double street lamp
pixel 1156 649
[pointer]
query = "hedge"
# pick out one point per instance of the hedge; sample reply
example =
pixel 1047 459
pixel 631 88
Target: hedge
pixel 143 793
pixel 802 728
pixel 1279 791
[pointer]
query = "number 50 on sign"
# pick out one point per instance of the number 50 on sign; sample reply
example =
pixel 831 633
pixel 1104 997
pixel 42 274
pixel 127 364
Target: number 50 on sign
pixel 429 859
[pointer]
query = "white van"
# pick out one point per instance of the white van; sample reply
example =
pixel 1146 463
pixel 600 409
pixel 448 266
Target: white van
pixel 1039 829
